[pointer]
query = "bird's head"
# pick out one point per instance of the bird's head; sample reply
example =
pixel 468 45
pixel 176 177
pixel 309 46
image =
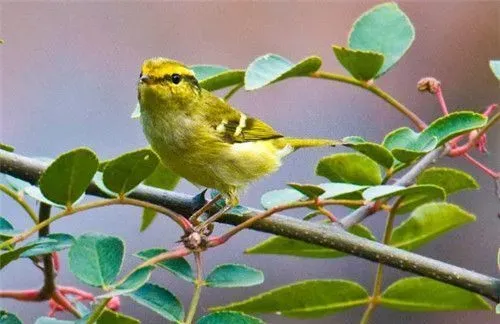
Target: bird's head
pixel 166 83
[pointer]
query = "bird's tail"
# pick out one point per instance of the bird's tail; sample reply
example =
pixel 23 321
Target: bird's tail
pixel 297 143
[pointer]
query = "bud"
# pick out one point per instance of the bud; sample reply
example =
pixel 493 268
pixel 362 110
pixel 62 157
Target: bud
pixel 428 84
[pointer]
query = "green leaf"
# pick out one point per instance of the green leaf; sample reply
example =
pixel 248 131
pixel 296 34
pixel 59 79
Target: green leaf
pixel 362 65
pixel 6 229
pixel 66 179
pixel 8 257
pixel 374 151
pixel 159 300
pixel 35 193
pixel 454 124
pixel 178 266
pixel 137 112
pixel 311 191
pixel 128 170
pixel 286 196
pixel 98 181
pixel 428 222
pixel 213 77
pixel 51 320
pixel 133 282
pixel 284 246
pixel 96 259
pixel 271 68
pixel 451 180
pixel 495 68
pixel 423 294
pixel 387 191
pixel 6 147
pixel 384 29
pixel 350 168
pixel 229 317
pixel 164 178
pixel 304 299
pixel 111 317
pixel 234 275
pixel 59 241
pixel 407 145
pixel 9 318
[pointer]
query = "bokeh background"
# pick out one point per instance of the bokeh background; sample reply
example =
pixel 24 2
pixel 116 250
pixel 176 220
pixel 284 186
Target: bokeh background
pixel 68 78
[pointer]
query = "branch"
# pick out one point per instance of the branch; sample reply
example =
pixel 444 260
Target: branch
pixel 331 236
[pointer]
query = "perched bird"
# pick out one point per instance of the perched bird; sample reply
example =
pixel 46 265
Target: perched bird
pixel 203 138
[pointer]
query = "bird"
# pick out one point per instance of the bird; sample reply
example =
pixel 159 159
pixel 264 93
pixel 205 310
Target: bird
pixel 202 137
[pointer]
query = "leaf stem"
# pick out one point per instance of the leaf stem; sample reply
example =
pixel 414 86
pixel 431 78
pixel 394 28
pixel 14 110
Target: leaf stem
pixel 97 312
pixel 375 90
pixel 198 284
pixel 233 91
pixel 21 202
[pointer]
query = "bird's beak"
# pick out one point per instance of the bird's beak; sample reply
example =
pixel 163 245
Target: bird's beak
pixel 145 79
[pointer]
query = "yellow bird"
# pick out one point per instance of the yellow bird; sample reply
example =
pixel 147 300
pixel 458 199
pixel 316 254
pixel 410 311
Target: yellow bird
pixel 203 138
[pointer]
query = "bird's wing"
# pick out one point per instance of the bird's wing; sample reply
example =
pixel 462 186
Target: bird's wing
pixel 234 126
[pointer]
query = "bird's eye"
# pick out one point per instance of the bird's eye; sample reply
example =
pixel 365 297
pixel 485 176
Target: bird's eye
pixel 140 75
pixel 176 78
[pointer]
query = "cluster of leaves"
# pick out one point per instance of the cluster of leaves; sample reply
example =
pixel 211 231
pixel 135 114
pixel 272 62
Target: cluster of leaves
pixel 379 38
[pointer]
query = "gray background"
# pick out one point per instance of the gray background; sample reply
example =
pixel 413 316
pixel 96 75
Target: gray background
pixel 68 76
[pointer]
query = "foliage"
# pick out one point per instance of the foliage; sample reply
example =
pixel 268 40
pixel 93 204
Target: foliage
pixel 377 41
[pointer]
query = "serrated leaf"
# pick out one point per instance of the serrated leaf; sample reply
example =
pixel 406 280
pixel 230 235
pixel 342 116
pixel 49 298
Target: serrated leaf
pixel 178 266
pixel 51 320
pixel 495 68
pixel 374 151
pixel 9 318
pixel 454 124
pixel 304 299
pixel 451 180
pixel 424 294
pixel 286 196
pixel 8 257
pixel 59 241
pixel 271 68
pixel 387 191
pixel 350 168
pixel 428 222
pixel 234 275
pixel 96 259
pixel 67 178
pixel 309 190
pixel 128 170
pixel 159 300
pixel 111 317
pixel 406 145
pixel 362 65
pixel 229 317
pixel 133 282
pixel 284 246
pixel 214 77
pixel 384 29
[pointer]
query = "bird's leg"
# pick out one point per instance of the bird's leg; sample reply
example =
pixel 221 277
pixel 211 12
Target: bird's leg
pixel 194 218
pixel 212 218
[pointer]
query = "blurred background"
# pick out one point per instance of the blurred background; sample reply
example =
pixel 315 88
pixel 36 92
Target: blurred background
pixel 68 79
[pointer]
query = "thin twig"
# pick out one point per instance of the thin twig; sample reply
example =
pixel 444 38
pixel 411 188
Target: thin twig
pixel 198 284
pixel 21 202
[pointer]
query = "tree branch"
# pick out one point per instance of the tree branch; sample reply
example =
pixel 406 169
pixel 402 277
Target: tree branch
pixel 331 236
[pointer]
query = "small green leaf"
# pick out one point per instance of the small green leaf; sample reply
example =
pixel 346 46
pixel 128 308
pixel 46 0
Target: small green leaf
pixel 407 145
pixel 159 300
pixel 137 112
pixel 203 72
pixel 284 246
pixel 311 191
pixel 387 191
pixel 428 222
pixel 178 266
pixel 229 317
pixel 362 65
pixel 495 68
pixel 304 299
pixel 6 229
pixel 61 241
pixel 6 147
pixel 111 317
pixel 234 275
pixel 384 29
pixel 51 320
pixel 128 170
pixel 213 77
pixel 271 68
pixel 9 318
pixel 350 168
pixel 374 151
pixel 451 180
pixel 454 124
pixel 8 257
pixel 133 282
pixel 424 294
pixel 147 218
pixel 96 259
pixel 67 178
pixel 286 196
